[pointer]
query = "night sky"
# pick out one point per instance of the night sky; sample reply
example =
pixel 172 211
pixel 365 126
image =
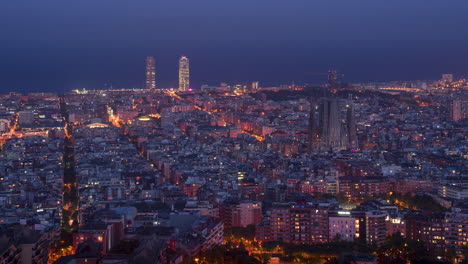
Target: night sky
pixel 57 45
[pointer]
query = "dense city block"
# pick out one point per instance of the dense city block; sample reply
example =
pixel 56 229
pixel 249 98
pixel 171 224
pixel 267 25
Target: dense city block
pixel 371 172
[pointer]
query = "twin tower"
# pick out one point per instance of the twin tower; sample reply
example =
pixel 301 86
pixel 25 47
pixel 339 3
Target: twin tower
pixel 184 73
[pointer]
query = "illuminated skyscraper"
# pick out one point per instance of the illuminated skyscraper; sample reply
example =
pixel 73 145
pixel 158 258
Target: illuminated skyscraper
pixel 184 74
pixel 333 135
pixel 150 73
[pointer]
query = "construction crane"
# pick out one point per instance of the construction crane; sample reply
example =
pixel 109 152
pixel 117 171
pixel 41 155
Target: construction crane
pixel 332 76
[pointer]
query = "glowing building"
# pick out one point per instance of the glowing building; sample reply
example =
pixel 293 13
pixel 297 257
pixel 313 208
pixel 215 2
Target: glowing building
pixel 4 125
pixel 184 74
pixel 255 86
pixel 150 73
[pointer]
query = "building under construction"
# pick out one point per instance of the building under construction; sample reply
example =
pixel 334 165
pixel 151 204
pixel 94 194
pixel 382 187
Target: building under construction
pixel 332 124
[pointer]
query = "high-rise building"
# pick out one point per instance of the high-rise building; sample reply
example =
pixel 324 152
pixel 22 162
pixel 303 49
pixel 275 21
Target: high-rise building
pixel 150 73
pixel 184 74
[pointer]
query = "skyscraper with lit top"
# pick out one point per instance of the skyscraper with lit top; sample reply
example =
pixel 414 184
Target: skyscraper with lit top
pixel 150 73
pixel 184 74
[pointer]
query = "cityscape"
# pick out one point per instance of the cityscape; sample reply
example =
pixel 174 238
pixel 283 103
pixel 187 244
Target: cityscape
pixel 336 171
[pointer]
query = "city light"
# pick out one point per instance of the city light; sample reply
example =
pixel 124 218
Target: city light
pixel 276 140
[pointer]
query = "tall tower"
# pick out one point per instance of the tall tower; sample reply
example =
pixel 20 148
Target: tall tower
pixel 327 127
pixel 313 128
pixel 332 78
pixel 150 73
pixel 351 126
pixel 184 74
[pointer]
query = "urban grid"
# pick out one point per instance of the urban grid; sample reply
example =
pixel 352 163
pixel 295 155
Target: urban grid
pixel 234 132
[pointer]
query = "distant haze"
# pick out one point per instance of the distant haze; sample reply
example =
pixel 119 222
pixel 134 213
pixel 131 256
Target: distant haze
pixel 56 45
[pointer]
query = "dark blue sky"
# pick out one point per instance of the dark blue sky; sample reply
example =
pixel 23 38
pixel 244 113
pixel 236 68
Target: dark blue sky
pixel 56 45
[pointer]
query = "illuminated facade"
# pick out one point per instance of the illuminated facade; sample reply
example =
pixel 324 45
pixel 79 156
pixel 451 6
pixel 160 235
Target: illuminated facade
pixel 184 74
pixel 4 125
pixel 332 78
pixel 255 86
pixel 343 226
pixel 351 131
pixel 150 73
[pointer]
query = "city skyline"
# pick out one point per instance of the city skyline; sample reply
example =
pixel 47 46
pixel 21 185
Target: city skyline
pixel 364 41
